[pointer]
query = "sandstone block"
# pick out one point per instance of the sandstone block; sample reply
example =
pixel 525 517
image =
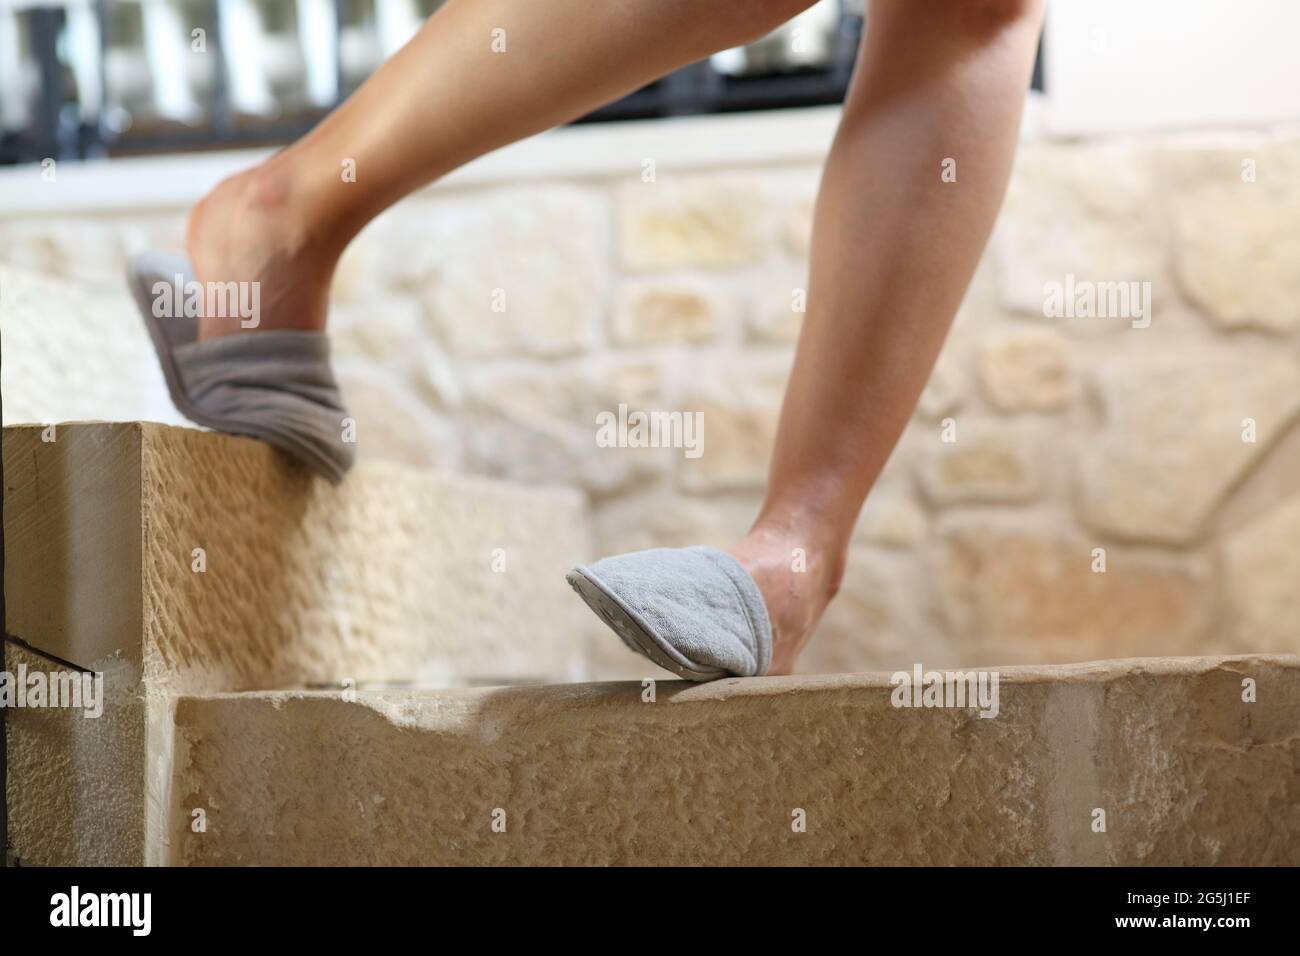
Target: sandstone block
pixel 698 222
pixel 312 583
pixel 652 313
pixel 986 463
pixel 891 517
pixel 72 354
pixel 1237 252
pixel 880 619
pixel 1086 211
pixel 520 271
pixel 1262 566
pixel 664 518
pixel 387 330
pixel 175 560
pixel 1025 370
pixel 717 773
pixel 1172 438
pixel 778 309
pixel 542 424
pixel 798 226
pixel 393 423
pixel 1027 596
pixel 86 790
pixel 741 404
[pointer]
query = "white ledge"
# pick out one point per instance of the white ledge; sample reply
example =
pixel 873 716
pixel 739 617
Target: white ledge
pixel 592 150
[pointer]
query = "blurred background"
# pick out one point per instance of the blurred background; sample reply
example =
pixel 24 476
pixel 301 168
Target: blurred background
pixel 1115 490
pixel 115 77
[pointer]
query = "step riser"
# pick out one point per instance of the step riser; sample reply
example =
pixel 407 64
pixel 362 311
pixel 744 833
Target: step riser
pixel 397 575
pixel 1185 771
pixel 77 785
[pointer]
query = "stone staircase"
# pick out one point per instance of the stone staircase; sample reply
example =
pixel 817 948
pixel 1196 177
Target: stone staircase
pixel 290 674
pixel 180 563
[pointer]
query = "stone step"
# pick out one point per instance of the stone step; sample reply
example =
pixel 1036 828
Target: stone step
pixel 1164 753
pixel 175 561
pixel 206 562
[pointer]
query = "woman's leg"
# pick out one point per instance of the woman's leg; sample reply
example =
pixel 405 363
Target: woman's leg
pixel 894 248
pixel 478 75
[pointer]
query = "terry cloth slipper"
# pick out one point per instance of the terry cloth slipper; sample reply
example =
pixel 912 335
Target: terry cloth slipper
pixel 277 385
pixel 694 611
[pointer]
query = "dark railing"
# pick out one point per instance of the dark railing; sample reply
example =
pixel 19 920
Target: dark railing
pixel 75 108
pixel 82 78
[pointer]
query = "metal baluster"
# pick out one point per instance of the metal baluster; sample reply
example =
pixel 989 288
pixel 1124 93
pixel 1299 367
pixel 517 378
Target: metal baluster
pixel 45 32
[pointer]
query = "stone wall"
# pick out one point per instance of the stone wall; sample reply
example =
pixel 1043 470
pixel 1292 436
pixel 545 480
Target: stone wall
pixel 1069 488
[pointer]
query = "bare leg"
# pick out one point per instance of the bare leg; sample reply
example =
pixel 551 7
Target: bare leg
pixel 444 99
pixel 894 248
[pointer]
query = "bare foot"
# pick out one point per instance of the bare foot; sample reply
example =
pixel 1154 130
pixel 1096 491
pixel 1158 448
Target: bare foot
pixel 797 581
pixel 249 230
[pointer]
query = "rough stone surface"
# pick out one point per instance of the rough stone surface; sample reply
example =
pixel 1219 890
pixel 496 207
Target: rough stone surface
pixel 77 785
pixel 390 576
pixel 714 774
pixel 1127 422
pixel 741 404
pixel 704 221
pixel 1085 210
pixel 523 271
pixel 91 251
pixel 396 576
pixel 797 233
pixel 892 517
pixel 1033 596
pixel 664 519
pixel 778 309
pixel 1171 442
pixel 382 329
pixel 72 353
pixel 73 535
pixel 393 424
pixel 541 425
pixel 1237 255
pixel 985 464
pixel 652 313
pixel 1025 370
pixel 882 619
pixel 1262 565
pixel 387 577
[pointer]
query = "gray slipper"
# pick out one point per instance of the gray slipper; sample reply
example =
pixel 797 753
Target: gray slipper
pixel 276 386
pixel 694 611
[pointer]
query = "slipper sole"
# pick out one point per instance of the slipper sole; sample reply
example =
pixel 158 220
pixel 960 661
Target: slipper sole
pixel 632 628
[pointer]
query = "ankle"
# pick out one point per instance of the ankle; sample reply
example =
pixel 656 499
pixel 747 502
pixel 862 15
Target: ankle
pixel 264 206
pixel 798 575
pixel 790 546
pixel 273 198
pixel 791 569
pixel 255 228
